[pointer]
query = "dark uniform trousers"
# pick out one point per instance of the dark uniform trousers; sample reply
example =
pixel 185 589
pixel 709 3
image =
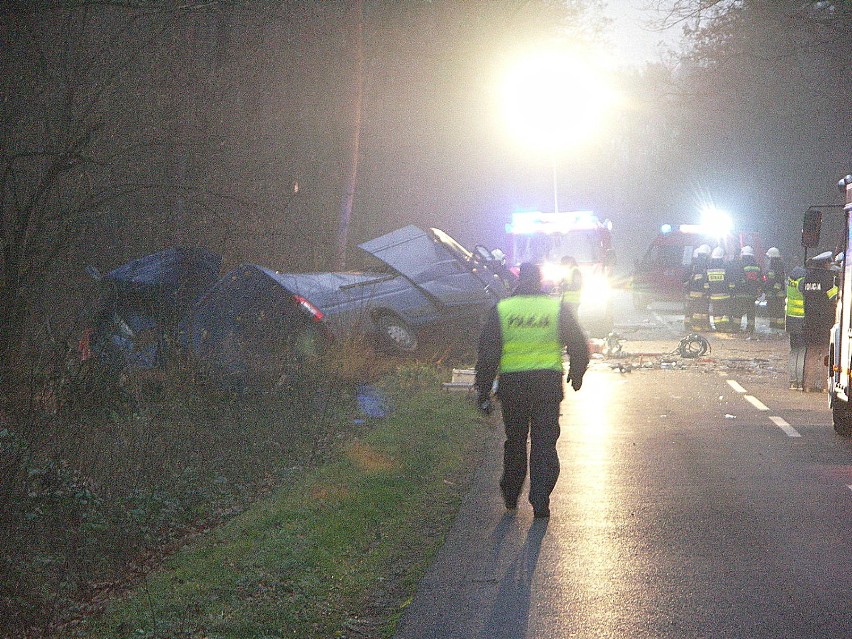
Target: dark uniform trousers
pixel 530 407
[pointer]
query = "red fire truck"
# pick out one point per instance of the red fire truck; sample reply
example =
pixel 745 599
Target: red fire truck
pixel 546 238
pixel 660 275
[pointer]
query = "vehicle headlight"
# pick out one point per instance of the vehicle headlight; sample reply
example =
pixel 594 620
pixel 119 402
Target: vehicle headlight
pixel 596 290
pixel 552 273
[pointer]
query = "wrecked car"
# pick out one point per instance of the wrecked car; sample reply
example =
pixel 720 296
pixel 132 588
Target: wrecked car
pixel 255 322
pixel 428 278
pixel 144 305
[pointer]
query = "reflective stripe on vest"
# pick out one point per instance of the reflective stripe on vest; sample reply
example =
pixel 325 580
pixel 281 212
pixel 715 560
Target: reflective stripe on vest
pixel 795 300
pixel 530 330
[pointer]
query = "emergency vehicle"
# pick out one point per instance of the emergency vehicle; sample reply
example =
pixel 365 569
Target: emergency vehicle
pixel 840 353
pixel 546 238
pixel 660 274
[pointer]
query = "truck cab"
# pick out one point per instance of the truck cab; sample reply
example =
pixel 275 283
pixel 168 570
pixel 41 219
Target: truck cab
pixel 840 352
pixel 546 238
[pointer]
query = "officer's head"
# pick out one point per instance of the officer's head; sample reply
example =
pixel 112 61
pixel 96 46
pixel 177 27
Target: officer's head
pixel 529 276
pixel 823 260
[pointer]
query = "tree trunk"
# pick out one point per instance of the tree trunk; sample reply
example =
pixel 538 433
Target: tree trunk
pixel 350 182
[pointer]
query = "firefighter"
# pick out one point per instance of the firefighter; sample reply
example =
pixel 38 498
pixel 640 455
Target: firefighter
pixel 748 286
pixel 820 295
pixel 571 284
pixel 522 342
pixel 775 289
pixel 697 311
pixel 719 287
pixel 795 319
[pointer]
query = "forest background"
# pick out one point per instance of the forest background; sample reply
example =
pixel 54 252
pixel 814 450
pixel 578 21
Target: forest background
pixel 285 133
pixel 255 128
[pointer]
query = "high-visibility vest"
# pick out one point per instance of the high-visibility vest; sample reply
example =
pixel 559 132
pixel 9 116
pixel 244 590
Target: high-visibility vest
pixel 795 306
pixel 529 326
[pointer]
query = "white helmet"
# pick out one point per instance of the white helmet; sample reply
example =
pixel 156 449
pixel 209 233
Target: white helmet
pixel 718 253
pixel 704 249
pixel 498 255
pixel 773 252
pixel 747 250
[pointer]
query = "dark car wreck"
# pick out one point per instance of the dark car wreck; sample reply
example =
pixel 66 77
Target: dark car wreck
pixel 256 323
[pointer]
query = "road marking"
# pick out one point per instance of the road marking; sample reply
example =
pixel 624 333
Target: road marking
pixel 733 384
pixel 783 425
pixel 754 401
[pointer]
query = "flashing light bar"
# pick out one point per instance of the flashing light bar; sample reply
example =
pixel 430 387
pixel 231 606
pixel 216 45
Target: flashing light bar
pixel 529 222
pixel 698 229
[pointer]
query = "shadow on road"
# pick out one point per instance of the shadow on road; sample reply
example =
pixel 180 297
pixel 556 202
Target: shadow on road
pixel 510 613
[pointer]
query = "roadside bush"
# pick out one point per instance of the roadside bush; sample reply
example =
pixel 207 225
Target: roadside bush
pixel 99 476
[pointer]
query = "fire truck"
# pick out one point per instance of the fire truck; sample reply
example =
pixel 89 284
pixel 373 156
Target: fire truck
pixel 840 352
pixel 546 238
pixel 660 275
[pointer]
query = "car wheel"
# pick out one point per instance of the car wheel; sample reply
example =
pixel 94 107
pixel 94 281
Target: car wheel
pixel 396 334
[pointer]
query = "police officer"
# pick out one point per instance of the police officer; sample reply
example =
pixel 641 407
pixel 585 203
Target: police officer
pixel 775 288
pixel 522 341
pixel 697 311
pixel 571 284
pixel 820 295
pixel 719 287
pixel 748 287
pixel 795 319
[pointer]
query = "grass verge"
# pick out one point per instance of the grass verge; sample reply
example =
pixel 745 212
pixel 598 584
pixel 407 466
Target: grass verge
pixel 337 553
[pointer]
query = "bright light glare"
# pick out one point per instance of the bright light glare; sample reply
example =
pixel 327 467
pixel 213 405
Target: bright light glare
pixel 596 291
pixel 555 100
pixel 719 222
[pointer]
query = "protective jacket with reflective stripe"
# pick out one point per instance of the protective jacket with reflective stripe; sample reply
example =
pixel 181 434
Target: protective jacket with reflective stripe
pixel 530 328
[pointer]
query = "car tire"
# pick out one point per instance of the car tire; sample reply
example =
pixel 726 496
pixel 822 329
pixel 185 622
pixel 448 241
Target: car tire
pixel 395 334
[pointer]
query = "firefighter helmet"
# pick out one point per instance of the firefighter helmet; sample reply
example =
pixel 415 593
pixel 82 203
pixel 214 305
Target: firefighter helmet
pixel 747 250
pixel 718 253
pixel 773 252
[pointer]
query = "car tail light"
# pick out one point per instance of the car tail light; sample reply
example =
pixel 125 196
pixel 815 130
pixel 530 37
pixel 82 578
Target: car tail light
pixel 310 309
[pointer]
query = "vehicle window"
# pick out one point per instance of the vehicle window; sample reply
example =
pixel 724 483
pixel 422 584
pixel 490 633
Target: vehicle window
pixel 671 256
pixel 583 246
pixel 458 251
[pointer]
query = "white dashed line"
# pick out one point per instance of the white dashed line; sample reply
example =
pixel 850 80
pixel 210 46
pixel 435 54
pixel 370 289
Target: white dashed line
pixel 783 425
pixel 754 401
pixel 735 385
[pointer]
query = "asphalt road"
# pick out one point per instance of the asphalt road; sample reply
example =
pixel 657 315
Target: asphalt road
pixel 698 498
